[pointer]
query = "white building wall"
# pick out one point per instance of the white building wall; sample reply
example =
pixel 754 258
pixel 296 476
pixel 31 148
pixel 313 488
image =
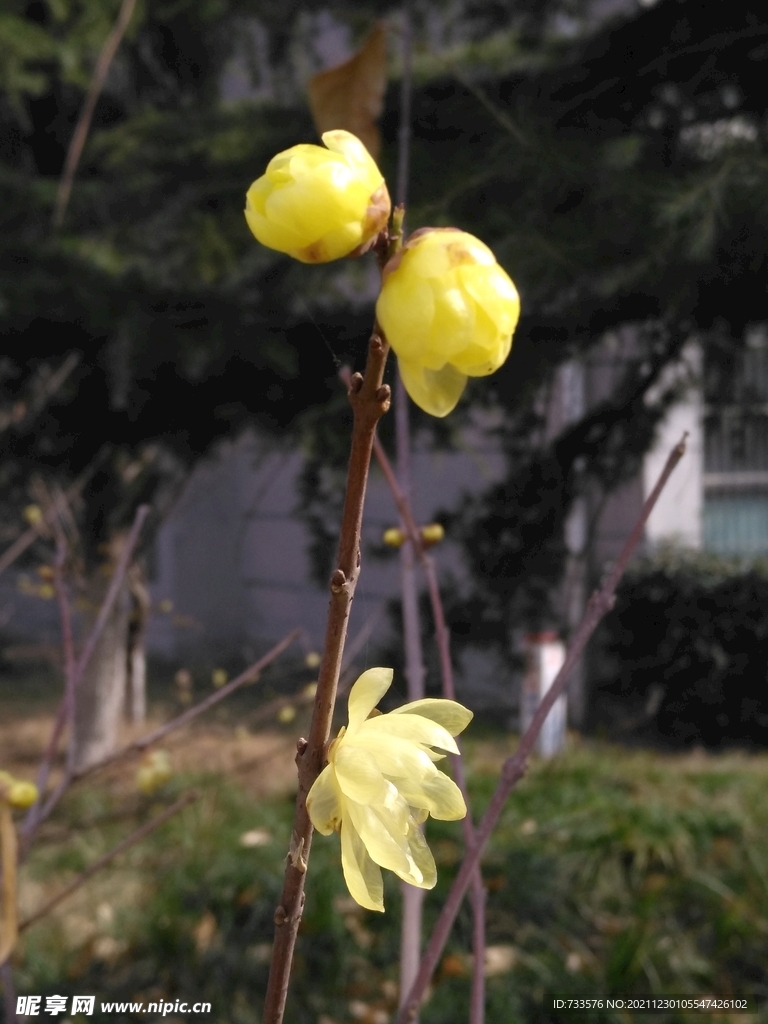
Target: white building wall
pixel 677 516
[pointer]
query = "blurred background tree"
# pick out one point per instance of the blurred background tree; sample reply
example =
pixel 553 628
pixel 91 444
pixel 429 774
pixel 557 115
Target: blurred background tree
pixel 613 155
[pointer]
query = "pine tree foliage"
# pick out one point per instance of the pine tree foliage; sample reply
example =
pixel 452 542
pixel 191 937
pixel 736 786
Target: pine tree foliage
pixel 614 160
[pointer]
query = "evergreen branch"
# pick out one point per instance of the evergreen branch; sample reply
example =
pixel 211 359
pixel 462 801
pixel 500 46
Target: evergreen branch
pixel 77 142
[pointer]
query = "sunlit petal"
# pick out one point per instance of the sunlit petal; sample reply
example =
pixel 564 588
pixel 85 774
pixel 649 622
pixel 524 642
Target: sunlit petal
pixel 453 717
pixel 386 847
pixel 366 694
pixel 362 875
pixel 409 727
pixel 323 802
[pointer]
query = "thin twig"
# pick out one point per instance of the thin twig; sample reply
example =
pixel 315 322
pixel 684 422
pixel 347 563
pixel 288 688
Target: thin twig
pixel 370 399
pixel 125 844
pixel 40 810
pixel 29 536
pixel 77 142
pixel 413 897
pixel 62 598
pixel 9 992
pixel 141 744
pixel 515 766
pixel 443 640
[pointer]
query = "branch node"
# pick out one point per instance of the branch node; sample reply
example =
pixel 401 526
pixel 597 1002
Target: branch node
pixel 338 581
pixel 301 746
pixel 355 383
pixel 384 395
pixel 280 916
pixel 296 853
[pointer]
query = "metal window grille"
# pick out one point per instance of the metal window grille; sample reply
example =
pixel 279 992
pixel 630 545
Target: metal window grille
pixel 736 450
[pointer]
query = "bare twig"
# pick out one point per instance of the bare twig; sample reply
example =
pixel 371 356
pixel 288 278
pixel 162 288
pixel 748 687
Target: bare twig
pixel 70 676
pixel 141 744
pixel 125 844
pixel 442 638
pixel 40 810
pixel 9 992
pixel 29 536
pixel 515 766
pixel 370 400
pixel 413 897
pixel 77 142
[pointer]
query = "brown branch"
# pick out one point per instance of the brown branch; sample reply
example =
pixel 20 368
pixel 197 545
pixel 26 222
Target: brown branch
pixel 9 992
pixel 125 844
pixel 29 536
pixel 515 766
pixel 370 400
pixel 39 811
pixel 442 638
pixel 77 142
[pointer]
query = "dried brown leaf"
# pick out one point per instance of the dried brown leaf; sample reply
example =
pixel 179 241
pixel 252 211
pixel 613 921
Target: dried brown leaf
pixel 351 95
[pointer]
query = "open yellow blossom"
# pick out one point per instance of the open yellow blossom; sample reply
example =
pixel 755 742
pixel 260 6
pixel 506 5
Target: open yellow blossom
pixel 319 204
pixel 449 311
pixel 381 783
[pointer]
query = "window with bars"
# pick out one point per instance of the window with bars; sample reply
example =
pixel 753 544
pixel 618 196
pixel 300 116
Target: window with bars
pixel 736 449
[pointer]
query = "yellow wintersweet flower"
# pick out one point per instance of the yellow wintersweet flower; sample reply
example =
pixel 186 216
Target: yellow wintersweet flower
pixel 380 784
pixel 449 312
pixel 319 204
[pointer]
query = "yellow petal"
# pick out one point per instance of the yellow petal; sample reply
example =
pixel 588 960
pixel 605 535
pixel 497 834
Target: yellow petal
pixel 438 794
pixel 405 309
pixel 383 839
pixel 359 776
pixel 323 802
pixel 362 875
pixel 408 727
pixel 366 694
pixel 398 758
pixel 449 713
pixel 435 391
pixel 425 875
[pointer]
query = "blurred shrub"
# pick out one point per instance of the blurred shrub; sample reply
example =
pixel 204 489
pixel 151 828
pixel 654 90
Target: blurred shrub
pixel 683 656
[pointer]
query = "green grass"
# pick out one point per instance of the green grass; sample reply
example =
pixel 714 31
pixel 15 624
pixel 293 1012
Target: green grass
pixel 611 872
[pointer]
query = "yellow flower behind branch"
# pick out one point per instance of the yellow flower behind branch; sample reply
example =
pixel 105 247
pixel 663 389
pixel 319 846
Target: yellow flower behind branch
pixel 381 783
pixel 317 204
pixel 448 311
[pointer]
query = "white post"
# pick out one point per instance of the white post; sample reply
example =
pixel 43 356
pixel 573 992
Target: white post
pixel 545 656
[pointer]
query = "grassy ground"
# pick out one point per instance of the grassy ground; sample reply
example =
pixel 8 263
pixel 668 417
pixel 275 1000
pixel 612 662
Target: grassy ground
pixel 613 872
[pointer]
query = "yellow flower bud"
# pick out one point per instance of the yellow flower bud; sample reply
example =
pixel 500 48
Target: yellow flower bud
pixel 154 771
pixel 219 677
pixel 21 794
pixel 394 537
pixel 317 204
pixel 449 311
pixel 33 514
pixel 432 534
pixel 16 792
